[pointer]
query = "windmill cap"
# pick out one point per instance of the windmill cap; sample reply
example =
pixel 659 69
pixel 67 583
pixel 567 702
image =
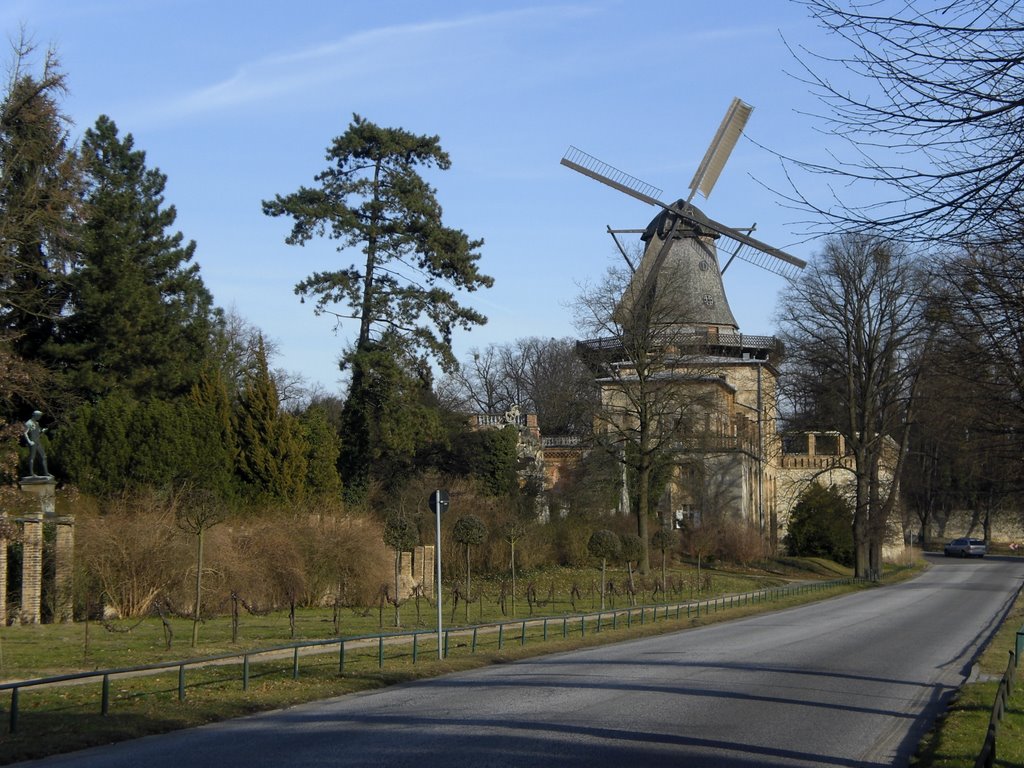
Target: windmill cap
pixel 661 224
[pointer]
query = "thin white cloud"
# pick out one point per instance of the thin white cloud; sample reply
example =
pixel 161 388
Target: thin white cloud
pixel 373 54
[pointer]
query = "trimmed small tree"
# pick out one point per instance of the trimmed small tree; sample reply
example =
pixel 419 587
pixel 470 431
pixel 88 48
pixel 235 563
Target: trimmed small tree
pixel 196 512
pixel 604 545
pixel 631 549
pixel 401 534
pixel 663 539
pixel 469 531
pixel 514 530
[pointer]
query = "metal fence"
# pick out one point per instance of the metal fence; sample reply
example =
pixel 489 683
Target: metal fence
pixel 987 756
pixel 503 632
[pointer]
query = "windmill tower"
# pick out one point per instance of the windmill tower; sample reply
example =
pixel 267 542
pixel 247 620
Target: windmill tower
pixel 681 270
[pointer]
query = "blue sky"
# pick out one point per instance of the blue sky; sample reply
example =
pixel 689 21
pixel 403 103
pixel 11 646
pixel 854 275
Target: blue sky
pixel 237 101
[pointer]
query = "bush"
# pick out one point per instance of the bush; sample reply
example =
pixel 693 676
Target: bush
pixel 741 543
pixel 130 556
pixel 821 525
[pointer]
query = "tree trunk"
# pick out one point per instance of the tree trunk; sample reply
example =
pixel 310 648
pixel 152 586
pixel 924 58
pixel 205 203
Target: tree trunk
pixel 513 580
pixel 467 584
pixel 199 587
pixel 604 580
pixel 398 574
pixel 643 504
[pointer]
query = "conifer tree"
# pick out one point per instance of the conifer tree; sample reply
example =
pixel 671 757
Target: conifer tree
pixel 39 194
pixel 372 197
pixel 271 453
pixel 322 450
pixel 211 408
pixel 139 314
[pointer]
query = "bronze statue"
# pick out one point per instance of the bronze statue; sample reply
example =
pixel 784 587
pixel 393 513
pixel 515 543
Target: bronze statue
pixel 33 436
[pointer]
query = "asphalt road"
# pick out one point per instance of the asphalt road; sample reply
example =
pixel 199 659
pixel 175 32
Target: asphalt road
pixel 852 681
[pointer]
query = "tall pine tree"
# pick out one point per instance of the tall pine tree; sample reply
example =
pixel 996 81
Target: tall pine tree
pixel 139 315
pixel 401 289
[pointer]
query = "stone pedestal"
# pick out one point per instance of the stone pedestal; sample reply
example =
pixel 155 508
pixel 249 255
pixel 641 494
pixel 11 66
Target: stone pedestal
pixel 64 557
pixel 31 568
pixel 32 552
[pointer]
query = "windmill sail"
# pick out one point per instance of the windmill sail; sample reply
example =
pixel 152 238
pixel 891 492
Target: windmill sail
pixel 750 249
pixel 599 170
pixel 720 148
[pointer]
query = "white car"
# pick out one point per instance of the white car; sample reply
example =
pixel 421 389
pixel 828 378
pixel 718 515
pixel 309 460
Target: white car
pixel 965 548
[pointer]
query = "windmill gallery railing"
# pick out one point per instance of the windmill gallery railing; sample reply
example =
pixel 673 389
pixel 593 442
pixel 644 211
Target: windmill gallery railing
pixel 725 344
pixel 410 645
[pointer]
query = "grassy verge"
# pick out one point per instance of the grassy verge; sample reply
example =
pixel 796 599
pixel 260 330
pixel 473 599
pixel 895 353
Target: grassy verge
pixel 958 736
pixel 53 649
pixel 66 718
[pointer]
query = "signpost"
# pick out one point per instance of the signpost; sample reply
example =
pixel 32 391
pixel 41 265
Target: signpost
pixel 438 504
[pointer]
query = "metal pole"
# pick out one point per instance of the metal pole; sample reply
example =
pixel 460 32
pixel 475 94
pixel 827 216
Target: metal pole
pixel 437 561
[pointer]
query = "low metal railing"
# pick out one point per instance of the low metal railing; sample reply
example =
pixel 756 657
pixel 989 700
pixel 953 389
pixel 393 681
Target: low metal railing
pixel 987 756
pixel 550 626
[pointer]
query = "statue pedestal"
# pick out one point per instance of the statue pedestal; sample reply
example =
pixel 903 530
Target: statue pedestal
pixel 43 488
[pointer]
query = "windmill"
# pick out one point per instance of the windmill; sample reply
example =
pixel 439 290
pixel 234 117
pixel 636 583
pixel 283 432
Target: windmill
pixel 682 240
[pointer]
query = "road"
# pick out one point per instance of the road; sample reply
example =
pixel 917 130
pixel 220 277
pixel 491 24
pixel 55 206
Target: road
pixel 851 681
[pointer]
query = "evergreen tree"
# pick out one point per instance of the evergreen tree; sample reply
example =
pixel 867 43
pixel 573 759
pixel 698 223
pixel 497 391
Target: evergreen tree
pixel 120 443
pixel 211 409
pixel 372 197
pixel 490 456
pixel 39 194
pixel 821 525
pixel 389 418
pixel 139 314
pixel 322 451
pixel 94 449
pixel 271 453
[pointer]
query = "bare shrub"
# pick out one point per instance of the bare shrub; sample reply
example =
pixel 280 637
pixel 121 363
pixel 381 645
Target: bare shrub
pixel 569 538
pixel 740 543
pixel 133 553
pixel 344 556
pixel 262 563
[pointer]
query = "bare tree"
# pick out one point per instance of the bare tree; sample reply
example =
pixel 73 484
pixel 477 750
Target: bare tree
pixel 925 98
pixel 478 383
pixel 541 376
pixel 513 531
pixel 967 446
pixel 854 333
pixel 657 385
pixel 195 512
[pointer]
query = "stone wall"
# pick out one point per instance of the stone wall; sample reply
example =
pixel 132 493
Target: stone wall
pixel 417 572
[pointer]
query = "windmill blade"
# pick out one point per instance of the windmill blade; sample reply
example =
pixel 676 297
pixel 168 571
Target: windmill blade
pixel 599 170
pixel 720 148
pixel 752 250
